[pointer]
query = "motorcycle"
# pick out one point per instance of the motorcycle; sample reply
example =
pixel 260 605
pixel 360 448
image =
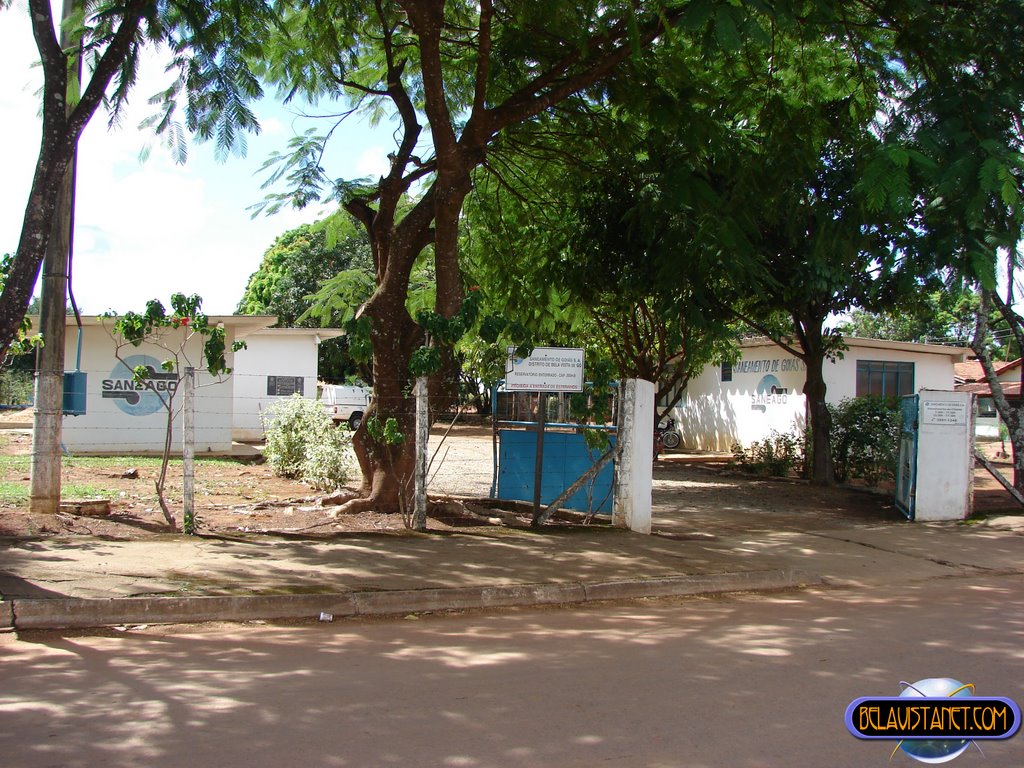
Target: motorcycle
pixel 666 435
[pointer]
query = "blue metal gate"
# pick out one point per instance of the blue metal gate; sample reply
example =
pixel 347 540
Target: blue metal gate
pixel 566 457
pixel 906 469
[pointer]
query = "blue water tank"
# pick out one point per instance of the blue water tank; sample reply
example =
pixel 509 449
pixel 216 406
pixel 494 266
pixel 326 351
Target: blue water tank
pixel 74 393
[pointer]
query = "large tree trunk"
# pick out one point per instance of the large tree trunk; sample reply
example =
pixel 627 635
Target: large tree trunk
pixel 808 328
pixel 822 471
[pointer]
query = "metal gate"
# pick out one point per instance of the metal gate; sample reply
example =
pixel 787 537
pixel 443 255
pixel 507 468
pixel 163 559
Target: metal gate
pixel 906 469
pixel 564 454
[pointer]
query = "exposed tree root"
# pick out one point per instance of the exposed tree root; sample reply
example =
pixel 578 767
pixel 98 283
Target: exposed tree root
pixel 337 499
pixel 357 505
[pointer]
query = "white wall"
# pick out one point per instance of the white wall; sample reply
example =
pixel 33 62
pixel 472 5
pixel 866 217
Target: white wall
pixel 281 353
pixel 115 425
pixel 931 371
pixel 714 415
pixel 945 456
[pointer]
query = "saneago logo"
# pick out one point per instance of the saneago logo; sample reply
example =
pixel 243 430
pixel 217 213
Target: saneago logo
pixel 139 398
pixel 769 391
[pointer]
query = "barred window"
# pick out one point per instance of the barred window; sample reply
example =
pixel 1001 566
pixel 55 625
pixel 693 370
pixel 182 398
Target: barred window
pixel 884 378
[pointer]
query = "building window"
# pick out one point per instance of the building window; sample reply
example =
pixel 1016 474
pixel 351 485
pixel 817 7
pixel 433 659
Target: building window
pixel 986 408
pixel 884 378
pixel 726 372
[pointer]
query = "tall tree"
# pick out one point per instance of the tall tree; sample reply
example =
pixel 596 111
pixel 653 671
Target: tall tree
pixel 962 116
pixel 205 38
pixel 472 71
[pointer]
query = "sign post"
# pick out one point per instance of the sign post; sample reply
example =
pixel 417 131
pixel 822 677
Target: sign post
pixel 547 369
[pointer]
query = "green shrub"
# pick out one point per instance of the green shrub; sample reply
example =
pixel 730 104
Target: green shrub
pixel 865 439
pixel 16 387
pixel 777 455
pixel 329 459
pixel 302 442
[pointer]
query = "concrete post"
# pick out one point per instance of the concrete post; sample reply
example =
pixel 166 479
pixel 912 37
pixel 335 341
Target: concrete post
pixel 632 508
pixel 419 518
pixel 188 450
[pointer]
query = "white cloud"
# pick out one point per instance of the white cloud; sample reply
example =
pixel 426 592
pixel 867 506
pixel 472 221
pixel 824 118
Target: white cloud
pixel 372 162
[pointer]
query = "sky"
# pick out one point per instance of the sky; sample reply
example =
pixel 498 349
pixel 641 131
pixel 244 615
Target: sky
pixel 147 229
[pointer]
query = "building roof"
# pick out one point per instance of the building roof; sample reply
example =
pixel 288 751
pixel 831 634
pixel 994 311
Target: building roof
pixel 242 324
pixel 982 389
pixel 971 370
pixel 854 342
pixel 322 333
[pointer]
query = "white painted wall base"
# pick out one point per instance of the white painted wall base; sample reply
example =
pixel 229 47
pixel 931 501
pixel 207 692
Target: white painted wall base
pixel 632 508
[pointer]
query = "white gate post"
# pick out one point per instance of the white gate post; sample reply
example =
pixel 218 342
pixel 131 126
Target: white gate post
pixel 632 508
pixel 419 515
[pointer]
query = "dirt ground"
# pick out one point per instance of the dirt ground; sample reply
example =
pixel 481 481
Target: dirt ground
pixel 243 496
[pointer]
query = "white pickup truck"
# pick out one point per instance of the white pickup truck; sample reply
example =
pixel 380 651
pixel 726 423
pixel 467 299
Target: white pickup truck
pixel 346 403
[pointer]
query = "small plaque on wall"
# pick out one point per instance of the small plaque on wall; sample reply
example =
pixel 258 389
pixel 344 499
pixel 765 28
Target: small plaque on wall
pixel 944 413
pixel 284 386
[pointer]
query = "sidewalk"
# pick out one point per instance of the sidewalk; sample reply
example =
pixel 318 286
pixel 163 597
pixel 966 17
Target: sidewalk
pixel 79 581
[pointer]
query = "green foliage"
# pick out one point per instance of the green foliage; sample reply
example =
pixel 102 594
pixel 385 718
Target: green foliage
pixel 23 342
pixel 16 387
pixel 941 316
pixel 302 442
pixel 386 433
pixel 155 324
pixel 777 455
pixel 298 263
pixel 865 439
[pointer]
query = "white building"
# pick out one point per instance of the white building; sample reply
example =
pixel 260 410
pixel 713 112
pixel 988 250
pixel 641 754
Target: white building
pixel 122 416
pixel 970 377
pixel 276 363
pixel 744 401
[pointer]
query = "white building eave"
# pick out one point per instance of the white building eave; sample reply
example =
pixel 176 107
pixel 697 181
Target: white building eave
pixel 958 354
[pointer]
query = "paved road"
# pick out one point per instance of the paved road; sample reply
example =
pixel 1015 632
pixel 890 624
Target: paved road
pixel 743 682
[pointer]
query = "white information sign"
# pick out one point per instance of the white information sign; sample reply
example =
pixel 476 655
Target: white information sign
pixel 548 369
pixel 939 412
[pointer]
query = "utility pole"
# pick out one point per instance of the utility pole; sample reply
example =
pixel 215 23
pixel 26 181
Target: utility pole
pixel 49 394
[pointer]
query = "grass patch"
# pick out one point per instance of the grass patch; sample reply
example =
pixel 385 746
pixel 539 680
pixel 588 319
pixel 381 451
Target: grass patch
pixel 18 493
pixel 23 463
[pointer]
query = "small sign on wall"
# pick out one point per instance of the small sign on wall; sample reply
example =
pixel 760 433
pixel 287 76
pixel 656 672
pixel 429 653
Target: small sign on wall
pixel 285 386
pixel 944 413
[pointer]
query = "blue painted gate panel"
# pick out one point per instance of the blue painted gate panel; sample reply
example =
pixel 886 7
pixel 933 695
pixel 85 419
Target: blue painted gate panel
pixel 566 457
pixel 906 469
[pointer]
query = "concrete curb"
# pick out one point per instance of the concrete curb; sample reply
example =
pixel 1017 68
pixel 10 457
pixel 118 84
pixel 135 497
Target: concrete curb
pixel 69 613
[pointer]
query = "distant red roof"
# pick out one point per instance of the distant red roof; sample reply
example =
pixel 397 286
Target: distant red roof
pixel 982 389
pixel 971 371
